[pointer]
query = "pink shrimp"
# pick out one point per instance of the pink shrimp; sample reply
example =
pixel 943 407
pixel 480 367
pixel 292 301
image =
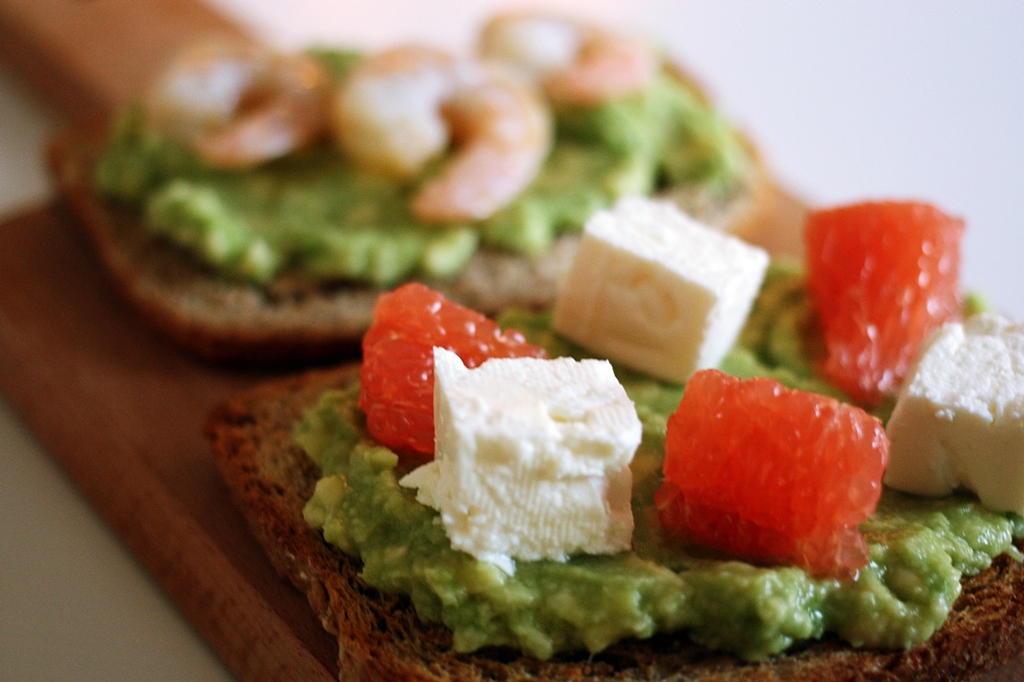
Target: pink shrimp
pixel 239 104
pixel 404 107
pixel 577 63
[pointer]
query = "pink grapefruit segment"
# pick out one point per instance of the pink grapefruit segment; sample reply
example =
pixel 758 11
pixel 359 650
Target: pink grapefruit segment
pixel 771 474
pixel 882 276
pixel 397 374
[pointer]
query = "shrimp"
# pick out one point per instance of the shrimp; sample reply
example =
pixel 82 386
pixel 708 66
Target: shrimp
pixel 505 132
pixel 577 63
pixel 239 105
pixel 387 115
pixel 402 108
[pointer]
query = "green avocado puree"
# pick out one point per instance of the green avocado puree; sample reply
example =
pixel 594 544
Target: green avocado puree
pixel 919 549
pixel 315 213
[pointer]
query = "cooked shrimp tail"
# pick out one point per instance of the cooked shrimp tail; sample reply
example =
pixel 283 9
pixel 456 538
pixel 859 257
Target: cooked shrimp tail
pixel 504 131
pixel 402 108
pixel 239 104
pixel 576 62
pixel 387 116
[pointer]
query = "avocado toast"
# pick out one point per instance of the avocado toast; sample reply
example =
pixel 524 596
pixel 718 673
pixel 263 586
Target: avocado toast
pixel 316 298
pixel 262 452
pixel 380 636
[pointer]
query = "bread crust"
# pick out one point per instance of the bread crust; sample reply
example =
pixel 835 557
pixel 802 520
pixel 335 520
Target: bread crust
pixel 381 638
pixel 295 320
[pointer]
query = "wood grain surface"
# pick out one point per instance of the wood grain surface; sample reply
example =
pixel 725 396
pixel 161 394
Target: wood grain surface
pixel 85 58
pixel 122 410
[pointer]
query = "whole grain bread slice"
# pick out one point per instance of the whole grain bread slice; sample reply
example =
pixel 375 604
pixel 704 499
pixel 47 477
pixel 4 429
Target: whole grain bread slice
pixel 381 638
pixel 294 319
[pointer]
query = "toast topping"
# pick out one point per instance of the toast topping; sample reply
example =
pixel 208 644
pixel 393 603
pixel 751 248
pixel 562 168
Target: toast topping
pixel 657 291
pixel 532 458
pixel 397 372
pixel 577 63
pixel 239 105
pixel 402 108
pixel 882 276
pixel 506 185
pixel 917 550
pixel 959 419
pixel 772 474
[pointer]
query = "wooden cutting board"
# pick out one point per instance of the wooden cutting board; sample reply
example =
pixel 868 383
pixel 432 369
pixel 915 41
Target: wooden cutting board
pixel 119 407
pixel 122 411
pixel 88 58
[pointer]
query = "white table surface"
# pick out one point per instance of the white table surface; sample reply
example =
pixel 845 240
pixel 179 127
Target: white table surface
pixel 848 101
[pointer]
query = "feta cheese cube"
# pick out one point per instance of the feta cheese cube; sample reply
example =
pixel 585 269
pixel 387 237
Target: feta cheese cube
pixel 959 418
pixel 531 458
pixel 658 291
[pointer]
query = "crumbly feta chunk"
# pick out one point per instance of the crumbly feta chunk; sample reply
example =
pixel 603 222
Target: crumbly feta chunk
pixel 531 458
pixel 658 291
pixel 959 419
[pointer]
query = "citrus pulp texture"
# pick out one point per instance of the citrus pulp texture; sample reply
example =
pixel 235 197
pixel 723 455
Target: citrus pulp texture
pixel 882 276
pixel 397 374
pixel 771 474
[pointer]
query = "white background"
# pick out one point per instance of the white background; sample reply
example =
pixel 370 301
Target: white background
pixel 847 100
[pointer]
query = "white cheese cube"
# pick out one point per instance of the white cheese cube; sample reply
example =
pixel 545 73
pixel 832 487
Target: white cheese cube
pixel 658 291
pixel 959 418
pixel 531 458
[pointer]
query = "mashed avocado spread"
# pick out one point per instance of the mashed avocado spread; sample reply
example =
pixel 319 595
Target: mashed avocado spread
pixel 314 212
pixel 918 548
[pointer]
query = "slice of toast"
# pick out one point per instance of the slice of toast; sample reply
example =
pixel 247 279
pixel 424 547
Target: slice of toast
pixel 297 321
pixel 381 638
pixel 224 320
